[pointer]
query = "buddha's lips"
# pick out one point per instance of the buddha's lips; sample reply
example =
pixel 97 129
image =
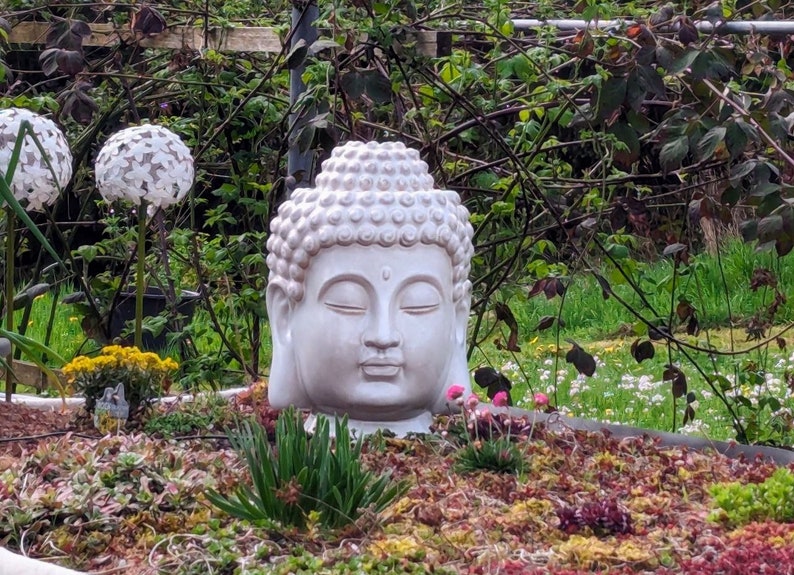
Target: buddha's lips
pixel 381 367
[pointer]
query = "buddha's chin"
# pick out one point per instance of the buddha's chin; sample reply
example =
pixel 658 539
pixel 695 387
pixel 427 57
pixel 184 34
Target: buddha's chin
pixel 392 404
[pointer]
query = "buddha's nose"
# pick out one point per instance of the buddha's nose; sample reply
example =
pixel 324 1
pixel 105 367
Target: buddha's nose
pixel 380 332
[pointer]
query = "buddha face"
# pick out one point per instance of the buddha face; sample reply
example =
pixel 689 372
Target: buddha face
pixel 376 330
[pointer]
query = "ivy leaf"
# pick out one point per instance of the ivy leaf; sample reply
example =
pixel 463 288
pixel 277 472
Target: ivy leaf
pixel 749 230
pixel 352 84
pixel 673 153
pixel 377 87
pixel 683 62
pixel 684 310
pixel 494 382
pixel 606 289
pixel 693 325
pixel 674 375
pixel 297 54
pixel 659 332
pixel 687 31
pixel 642 350
pixel 546 322
pixel 626 134
pixel 673 249
pixel 74 297
pixel 770 228
pixel 551 287
pixel 26 296
pixel 611 96
pixel 581 360
pixel 78 104
pixel 736 139
pixel 689 414
pixel 147 22
pixel 67 35
pixel 709 142
pixel 69 62
pixel 505 314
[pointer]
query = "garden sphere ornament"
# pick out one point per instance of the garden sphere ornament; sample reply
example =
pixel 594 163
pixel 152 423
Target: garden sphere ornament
pixel 147 163
pixel 34 184
pixel 40 167
pixel 151 167
pixel 368 294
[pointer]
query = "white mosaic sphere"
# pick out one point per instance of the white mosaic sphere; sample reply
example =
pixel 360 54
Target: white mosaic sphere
pixel 34 184
pixel 146 162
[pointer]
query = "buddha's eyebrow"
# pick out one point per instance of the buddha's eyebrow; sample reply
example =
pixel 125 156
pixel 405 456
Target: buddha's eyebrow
pixel 432 280
pixel 349 277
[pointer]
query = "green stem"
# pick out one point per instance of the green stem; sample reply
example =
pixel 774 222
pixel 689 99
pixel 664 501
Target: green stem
pixel 139 289
pixel 9 298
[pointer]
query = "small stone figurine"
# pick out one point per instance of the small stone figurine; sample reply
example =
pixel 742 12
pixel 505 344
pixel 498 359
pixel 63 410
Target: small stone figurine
pixel 112 410
pixel 368 294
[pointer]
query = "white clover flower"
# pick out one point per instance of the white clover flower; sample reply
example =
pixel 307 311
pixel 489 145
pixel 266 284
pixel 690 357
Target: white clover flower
pixel 146 162
pixel 33 182
pixel 695 427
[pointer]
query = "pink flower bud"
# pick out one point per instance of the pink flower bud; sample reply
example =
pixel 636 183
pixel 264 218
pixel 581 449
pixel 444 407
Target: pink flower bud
pixel 454 392
pixel 472 401
pixel 541 400
pixel 500 399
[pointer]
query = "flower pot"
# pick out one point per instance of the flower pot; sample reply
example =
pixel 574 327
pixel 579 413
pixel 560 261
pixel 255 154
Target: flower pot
pixel 154 303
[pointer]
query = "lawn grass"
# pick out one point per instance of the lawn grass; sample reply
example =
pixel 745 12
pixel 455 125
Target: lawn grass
pixel 623 391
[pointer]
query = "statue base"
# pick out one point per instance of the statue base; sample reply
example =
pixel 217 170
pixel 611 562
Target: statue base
pixel 358 428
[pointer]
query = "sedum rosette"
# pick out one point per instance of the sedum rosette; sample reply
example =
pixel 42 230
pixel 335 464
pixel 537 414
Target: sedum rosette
pixel 146 162
pixel 33 182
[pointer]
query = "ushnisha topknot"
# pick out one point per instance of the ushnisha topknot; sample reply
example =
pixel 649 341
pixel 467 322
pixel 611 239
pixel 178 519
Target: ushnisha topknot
pixel 368 194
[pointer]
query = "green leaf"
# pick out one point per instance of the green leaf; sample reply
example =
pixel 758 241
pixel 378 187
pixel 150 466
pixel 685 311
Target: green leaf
pixel 709 142
pixel 297 54
pixel 626 134
pixel 673 153
pixel 611 96
pixel 352 84
pixel 377 87
pixel 770 228
pixel 736 139
pixel 683 62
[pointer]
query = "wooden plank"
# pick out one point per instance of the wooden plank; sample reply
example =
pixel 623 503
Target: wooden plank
pixel 29 374
pixel 255 39
pixel 176 38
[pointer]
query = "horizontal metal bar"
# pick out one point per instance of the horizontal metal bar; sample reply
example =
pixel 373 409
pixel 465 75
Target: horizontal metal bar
pixel 729 27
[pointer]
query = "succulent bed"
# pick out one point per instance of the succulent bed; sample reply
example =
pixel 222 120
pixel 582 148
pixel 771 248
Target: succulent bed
pixel 137 503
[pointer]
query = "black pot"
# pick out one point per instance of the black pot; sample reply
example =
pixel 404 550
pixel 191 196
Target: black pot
pixel 154 303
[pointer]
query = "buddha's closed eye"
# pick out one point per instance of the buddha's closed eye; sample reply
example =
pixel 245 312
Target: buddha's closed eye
pixel 346 297
pixel 419 298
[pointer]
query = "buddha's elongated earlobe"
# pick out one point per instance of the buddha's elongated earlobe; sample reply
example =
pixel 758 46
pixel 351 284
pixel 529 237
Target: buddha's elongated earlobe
pixel 278 311
pixel 284 385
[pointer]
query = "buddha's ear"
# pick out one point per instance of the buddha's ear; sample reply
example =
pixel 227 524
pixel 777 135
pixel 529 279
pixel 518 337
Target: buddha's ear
pixel 462 309
pixel 279 313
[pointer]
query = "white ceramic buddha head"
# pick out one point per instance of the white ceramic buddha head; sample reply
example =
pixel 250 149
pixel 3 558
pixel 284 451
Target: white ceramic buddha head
pixel 368 294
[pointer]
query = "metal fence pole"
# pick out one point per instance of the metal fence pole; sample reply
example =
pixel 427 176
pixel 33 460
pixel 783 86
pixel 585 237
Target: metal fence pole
pixel 300 163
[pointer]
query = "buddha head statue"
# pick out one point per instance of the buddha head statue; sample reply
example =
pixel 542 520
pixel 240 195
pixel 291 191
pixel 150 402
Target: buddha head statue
pixel 368 294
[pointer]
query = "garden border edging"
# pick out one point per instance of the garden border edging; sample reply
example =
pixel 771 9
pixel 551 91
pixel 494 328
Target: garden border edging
pixel 731 449
pixel 556 422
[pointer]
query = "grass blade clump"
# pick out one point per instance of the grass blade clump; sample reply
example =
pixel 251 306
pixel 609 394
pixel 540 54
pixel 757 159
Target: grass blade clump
pixel 304 478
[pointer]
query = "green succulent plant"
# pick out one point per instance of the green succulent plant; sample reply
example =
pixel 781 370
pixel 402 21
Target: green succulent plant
pixel 304 478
